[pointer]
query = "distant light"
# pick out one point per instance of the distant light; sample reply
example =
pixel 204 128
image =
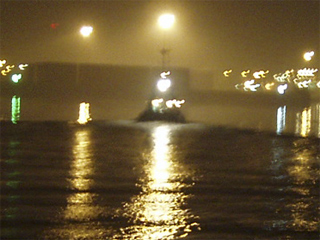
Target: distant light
pixel 2 62
pixel 281 119
pixel 86 31
pixel 260 74
pixel 249 85
pixel 8 69
pixel 269 86
pixel 227 72
pixel 16 78
pixel 283 77
pixel 84 113
pixel 308 56
pixel 166 21
pixel 164 84
pixel 282 88
pixel 307 72
pixel 175 103
pixel 164 74
pixel 305 122
pixel 23 66
pixel 244 73
pixel 15 109
pixel 156 102
pixel 54 25
pixel 304 84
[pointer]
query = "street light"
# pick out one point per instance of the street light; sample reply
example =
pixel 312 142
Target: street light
pixel 86 31
pixel 166 20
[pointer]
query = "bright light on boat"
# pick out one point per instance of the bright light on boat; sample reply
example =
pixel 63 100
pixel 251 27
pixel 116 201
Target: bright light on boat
pixel 164 84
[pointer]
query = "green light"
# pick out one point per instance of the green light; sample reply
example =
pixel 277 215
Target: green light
pixel 15 109
pixel 13 184
pixel 16 77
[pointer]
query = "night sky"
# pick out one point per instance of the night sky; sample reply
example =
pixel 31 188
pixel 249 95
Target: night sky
pixel 215 35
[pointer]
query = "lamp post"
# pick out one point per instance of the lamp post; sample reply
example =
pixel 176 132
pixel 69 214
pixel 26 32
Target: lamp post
pixel 165 21
pixel 85 32
pixel 163 106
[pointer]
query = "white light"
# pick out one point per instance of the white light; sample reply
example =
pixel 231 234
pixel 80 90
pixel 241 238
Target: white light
pixel 175 102
pixel 260 74
pixel 307 72
pixel 164 84
pixel 281 119
pixel 308 56
pixel 304 84
pixel 169 103
pixel 2 63
pixel 16 77
pixel 164 74
pixel 249 85
pixel 22 66
pixel 282 88
pixel 86 31
pixel 156 102
pixel 166 20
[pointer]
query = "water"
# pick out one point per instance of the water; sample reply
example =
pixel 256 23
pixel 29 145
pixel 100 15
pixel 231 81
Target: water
pixel 126 180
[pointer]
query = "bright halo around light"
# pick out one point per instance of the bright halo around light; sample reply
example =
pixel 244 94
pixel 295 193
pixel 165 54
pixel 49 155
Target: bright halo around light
pixel 166 20
pixel 86 31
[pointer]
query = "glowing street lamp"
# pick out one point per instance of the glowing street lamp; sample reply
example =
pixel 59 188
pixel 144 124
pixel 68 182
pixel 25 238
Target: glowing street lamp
pixel 86 31
pixel 166 21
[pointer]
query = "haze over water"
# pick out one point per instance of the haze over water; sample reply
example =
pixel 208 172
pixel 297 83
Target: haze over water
pixel 128 180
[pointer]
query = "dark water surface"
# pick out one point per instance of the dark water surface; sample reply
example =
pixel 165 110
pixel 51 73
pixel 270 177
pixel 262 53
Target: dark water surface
pixel 127 180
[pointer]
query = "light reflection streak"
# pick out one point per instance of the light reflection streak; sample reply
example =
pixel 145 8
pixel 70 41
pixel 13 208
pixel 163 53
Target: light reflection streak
pixel 317 118
pixel 298 210
pixel 13 181
pixel 281 119
pixel 304 173
pixel 81 215
pixel 15 109
pixel 303 122
pixel 158 211
pixel 81 203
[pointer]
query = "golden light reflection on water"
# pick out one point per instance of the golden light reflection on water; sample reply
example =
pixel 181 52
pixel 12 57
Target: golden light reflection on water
pixel 302 169
pixel 81 215
pixel 82 167
pixel 159 212
pixel 305 174
pixel 81 204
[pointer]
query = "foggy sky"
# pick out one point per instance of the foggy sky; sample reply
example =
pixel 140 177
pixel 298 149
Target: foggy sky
pixel 207 34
